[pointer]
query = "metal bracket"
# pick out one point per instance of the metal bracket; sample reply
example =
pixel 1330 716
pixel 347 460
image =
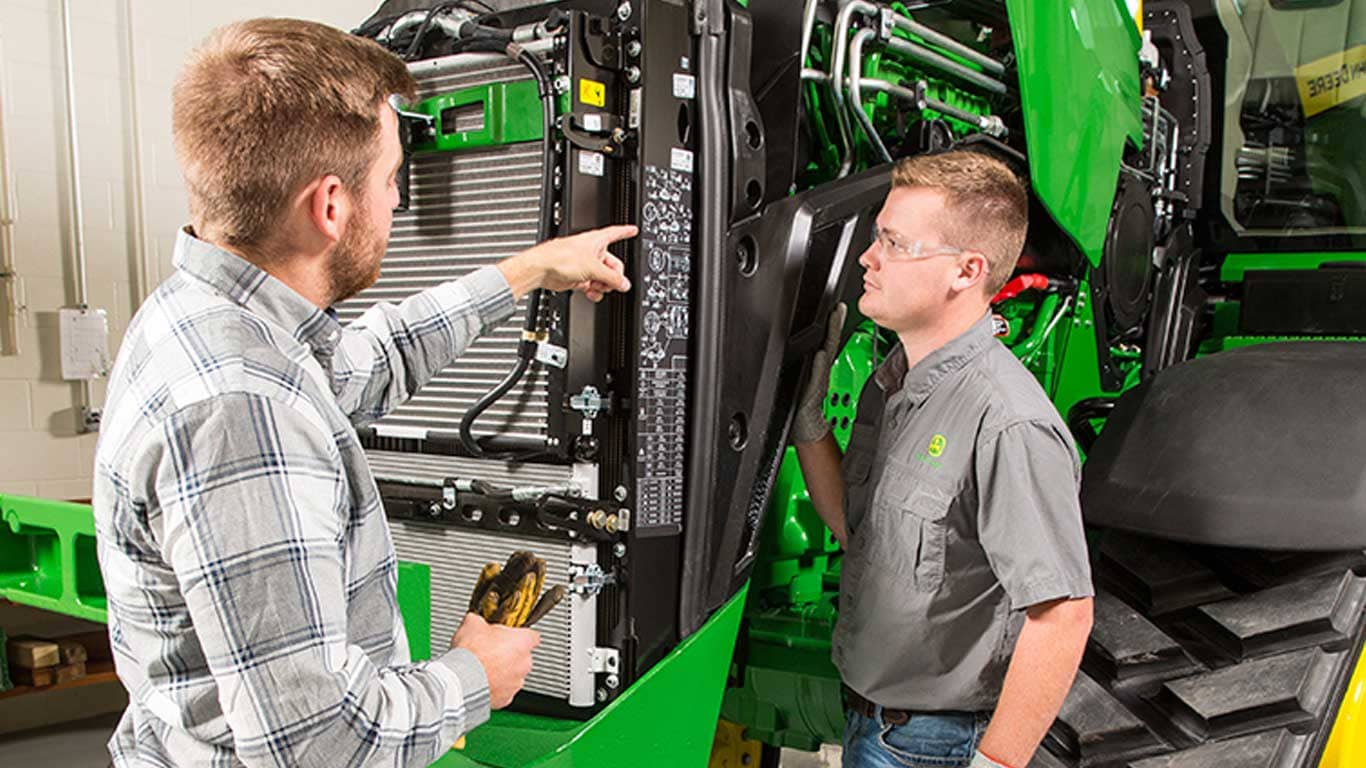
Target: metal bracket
pixel 552 354
pixel 589 579
pixel 589 402
pixel 604 660
pixel 886 22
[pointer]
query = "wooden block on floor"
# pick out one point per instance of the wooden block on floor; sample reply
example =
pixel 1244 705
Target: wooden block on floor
pixel 32 653
pixel 42 677
pixel 71 651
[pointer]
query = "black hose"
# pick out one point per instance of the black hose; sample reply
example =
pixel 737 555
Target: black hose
pixel 476 38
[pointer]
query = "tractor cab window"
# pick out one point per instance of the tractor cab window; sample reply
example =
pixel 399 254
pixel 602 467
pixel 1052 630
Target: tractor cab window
pixel 1295 116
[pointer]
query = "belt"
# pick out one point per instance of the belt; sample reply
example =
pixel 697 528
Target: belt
pixel 868 709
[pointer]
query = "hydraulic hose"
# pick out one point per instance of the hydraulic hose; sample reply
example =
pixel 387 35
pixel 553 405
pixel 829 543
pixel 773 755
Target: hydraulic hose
pixel 474 37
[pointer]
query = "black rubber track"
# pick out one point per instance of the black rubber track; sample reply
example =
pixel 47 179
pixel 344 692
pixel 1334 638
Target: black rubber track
pixel 1211 658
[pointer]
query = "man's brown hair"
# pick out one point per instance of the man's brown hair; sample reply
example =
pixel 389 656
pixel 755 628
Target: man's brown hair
pixel 264 106
pixel 987 206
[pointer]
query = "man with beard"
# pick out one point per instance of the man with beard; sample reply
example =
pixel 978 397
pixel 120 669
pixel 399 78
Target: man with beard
pixel 245 552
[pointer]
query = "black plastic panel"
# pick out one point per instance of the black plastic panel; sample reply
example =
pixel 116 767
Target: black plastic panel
pixel 1257 447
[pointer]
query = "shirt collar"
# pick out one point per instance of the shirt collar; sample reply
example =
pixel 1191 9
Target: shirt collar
pixel 920 381
pixel 257 291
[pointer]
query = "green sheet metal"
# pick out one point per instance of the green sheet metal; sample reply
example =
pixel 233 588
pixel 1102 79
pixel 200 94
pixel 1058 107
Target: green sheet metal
pixel 1078 72
pixel 415 606
pixel 47 557
pixel 509 113
pixel 665 720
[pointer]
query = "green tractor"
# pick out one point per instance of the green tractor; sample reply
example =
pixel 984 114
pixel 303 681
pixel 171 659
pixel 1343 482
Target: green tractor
pixel 1191 297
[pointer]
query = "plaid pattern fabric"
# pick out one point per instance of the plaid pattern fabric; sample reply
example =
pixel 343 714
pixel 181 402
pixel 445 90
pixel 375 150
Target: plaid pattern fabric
pixel 245 552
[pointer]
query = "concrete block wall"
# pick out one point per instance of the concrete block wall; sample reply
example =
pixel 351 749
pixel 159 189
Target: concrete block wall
pixel 41 451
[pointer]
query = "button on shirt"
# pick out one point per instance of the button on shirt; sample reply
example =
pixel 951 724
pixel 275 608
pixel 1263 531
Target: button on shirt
pixel 961 499
pixel 246 557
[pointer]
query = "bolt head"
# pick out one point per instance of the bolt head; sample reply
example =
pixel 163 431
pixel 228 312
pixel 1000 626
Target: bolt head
pixel 633 74
pixel 619 549
pixel 602 695
pixel 619 493
pixel 624 11
pixel 633 48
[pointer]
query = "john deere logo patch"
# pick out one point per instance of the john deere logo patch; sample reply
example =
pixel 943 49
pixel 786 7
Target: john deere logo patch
pixel 937 444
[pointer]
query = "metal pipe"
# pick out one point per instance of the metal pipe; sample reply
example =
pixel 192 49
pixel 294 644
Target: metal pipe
pixel 139 233
pixel 947 43
pixel 926 56
pixel 856 93
pixel 90 417
pixel 837 68
pixel 988 124
pixel 808 28
pixel 73 160
pixel 9 339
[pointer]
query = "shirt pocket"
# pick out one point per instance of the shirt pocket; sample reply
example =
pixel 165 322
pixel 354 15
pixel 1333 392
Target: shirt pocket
pixel 914 511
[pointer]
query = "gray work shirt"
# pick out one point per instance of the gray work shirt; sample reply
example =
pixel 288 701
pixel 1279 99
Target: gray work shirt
pixel 961 486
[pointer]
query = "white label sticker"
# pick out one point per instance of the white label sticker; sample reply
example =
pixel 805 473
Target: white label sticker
pixel 633 120
pixel 681 160
pixel 592 122
pixel 685 86
pixel 590 163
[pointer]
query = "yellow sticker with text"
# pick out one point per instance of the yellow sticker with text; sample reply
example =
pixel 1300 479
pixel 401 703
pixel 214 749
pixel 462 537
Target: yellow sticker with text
pixel 592 93
pixel 1336 78
pixel 937 444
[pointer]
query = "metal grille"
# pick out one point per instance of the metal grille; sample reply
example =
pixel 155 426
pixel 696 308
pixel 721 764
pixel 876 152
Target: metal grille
pixel 456 556
pixel 468 210
pixel 424 469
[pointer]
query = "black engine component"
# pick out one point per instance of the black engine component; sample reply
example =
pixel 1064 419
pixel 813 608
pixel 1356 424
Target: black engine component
pixel 1128 254
pixel 1183 458
pixel 1304 302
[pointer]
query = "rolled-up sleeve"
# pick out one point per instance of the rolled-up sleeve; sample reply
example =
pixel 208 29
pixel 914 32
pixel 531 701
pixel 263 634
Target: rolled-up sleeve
pixel 391 350
pixel 1029 514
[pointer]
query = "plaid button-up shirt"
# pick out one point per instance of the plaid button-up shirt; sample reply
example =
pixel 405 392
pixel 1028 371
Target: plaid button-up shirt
pixel 246 557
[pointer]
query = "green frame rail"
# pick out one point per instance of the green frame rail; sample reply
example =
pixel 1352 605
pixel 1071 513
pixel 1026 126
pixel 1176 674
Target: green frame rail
pixel 48 561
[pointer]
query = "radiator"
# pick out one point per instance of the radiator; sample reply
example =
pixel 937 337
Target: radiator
pixel 561 663
pixel 468 210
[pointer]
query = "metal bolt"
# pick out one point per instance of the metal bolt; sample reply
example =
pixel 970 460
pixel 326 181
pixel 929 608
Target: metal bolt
pixel 619 550
pixel 562 83
pixel 602 695
pixel 633 48
pixel 477 515
pixel 624 11
pixel 613 681
pixel 633 75
pixel 514 519
pixel 619 493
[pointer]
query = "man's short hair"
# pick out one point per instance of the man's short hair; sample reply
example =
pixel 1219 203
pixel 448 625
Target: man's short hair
pixel 987 206
pixel 264 106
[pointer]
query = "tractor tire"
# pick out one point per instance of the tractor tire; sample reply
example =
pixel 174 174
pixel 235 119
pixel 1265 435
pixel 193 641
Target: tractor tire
pixel 1203 657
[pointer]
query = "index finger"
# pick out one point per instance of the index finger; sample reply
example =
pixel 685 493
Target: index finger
pixel 615 233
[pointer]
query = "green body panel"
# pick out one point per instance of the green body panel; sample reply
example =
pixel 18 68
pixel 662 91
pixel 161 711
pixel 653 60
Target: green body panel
pixel 414 592
pixel 511 114
pixel 47 560
pixel 1236 265
pixel 666 719
pixel 1079 88
pixel 47 557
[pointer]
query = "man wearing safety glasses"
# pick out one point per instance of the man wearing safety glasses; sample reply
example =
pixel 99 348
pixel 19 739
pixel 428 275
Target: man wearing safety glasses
pixel 965 595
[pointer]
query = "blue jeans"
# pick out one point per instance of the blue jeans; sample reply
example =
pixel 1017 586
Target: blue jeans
pixel 930 740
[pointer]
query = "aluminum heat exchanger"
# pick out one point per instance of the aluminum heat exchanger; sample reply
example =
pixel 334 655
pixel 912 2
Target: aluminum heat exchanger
pixel 580 460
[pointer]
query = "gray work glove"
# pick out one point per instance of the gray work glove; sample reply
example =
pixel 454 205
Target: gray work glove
pixel 810 425
pixel 980 760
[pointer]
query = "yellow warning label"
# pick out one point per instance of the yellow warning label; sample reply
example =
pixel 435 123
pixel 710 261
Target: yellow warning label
pixel 592 93
pixel 1332 80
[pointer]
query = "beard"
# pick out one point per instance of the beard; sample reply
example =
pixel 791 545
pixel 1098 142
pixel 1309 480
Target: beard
pixel 356 259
